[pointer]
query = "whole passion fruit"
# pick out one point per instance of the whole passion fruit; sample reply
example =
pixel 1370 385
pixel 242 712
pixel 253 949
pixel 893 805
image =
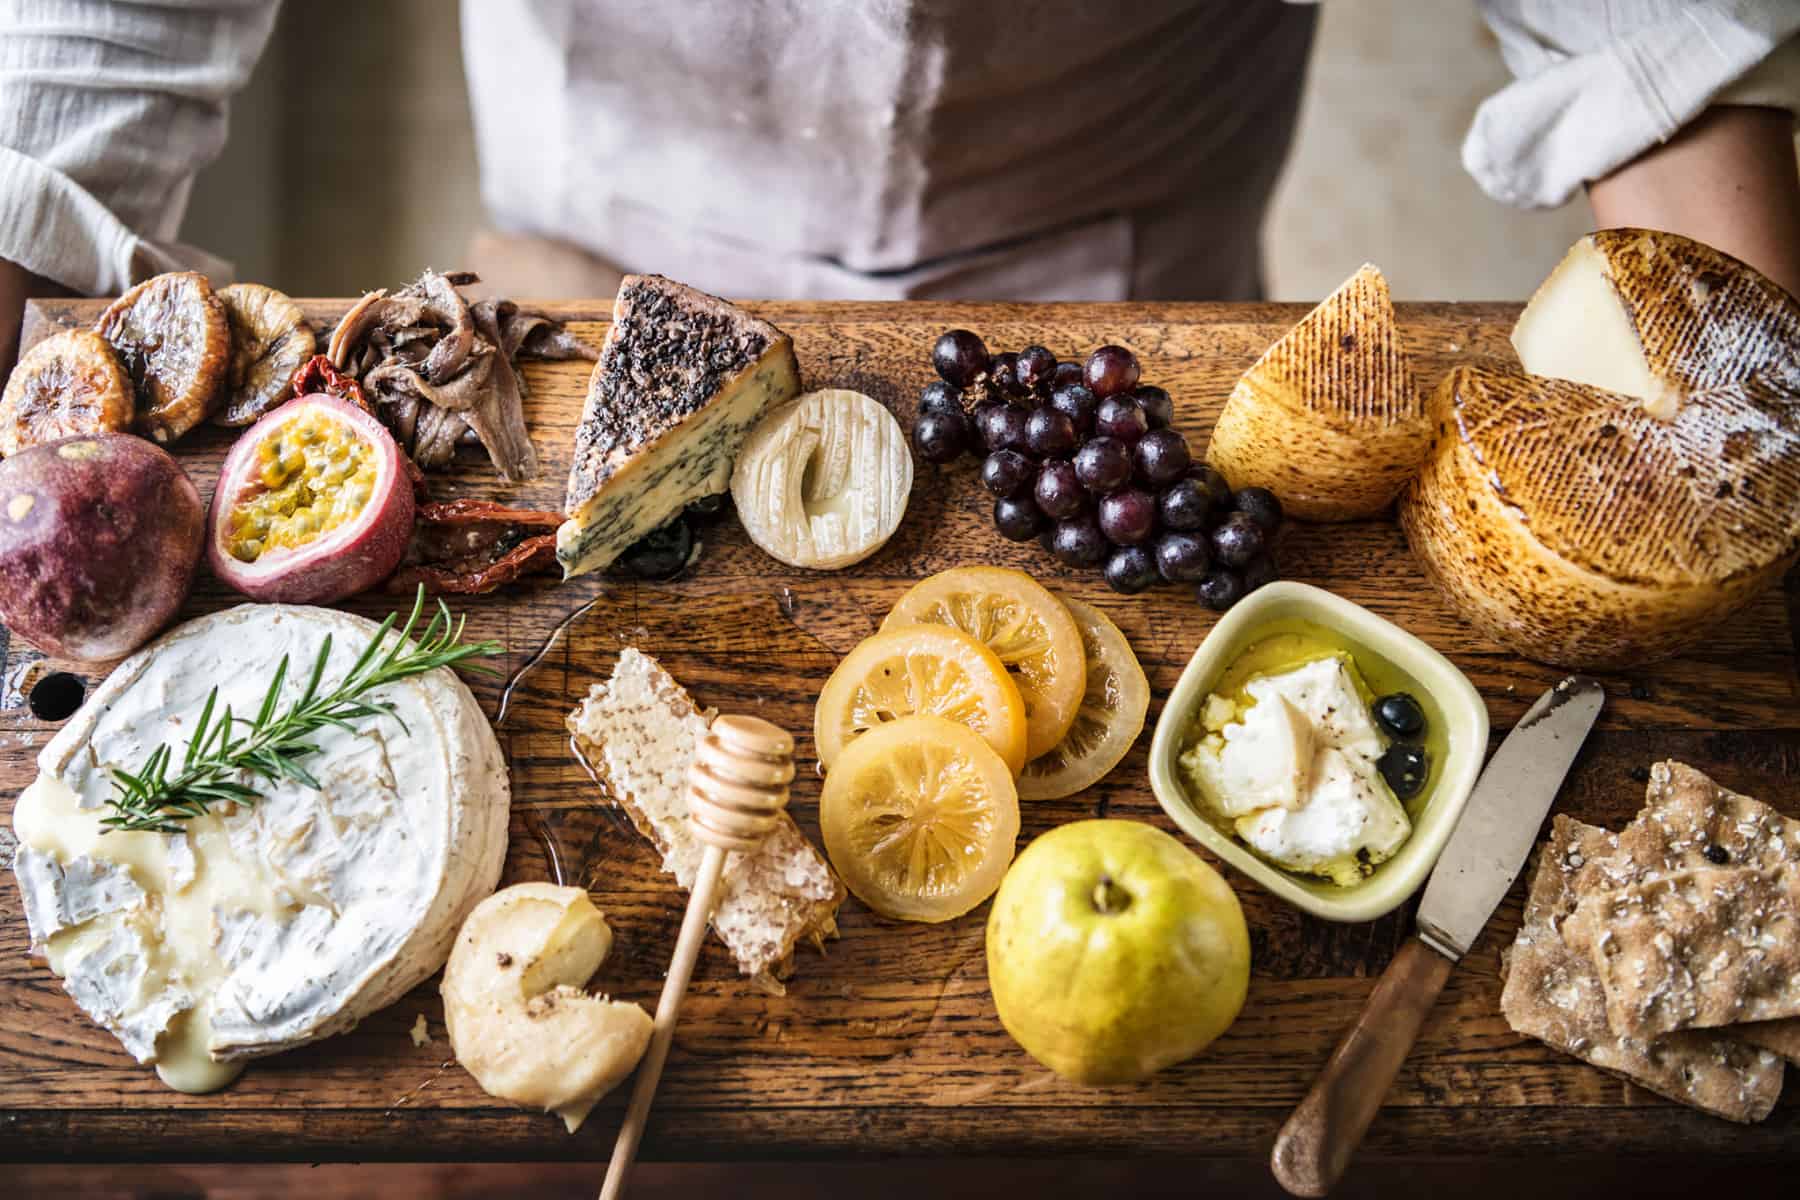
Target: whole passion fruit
pixel 99 537
pixel 313 505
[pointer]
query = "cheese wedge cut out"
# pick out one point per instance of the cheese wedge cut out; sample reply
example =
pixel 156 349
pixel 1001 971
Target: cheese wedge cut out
pixel 1328 418
pixel 259 927
pixel 1595 528
pixel 519 1018
pixel 1657 317
pixel 682 378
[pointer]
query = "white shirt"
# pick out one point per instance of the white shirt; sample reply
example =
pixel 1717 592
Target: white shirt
pixel 1030 149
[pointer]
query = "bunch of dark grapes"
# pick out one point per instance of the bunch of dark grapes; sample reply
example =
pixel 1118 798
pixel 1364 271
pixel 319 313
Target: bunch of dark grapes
pixel 1083 457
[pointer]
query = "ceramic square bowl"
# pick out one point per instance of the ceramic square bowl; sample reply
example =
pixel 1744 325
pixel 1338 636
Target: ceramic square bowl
pixel 1459 706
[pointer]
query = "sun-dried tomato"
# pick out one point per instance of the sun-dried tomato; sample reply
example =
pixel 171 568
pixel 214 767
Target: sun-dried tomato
pixel 317 374
pixel 465 547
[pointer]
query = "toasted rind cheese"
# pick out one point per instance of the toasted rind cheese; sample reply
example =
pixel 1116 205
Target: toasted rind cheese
pixel 638 732
pixel 1659 317
pixel 259 927
pixel 1328 418
pixel 682 379
pixel 1577 528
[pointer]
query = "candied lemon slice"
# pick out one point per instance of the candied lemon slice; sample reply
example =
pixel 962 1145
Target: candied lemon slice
pixel 920 819
pixel 1109 720
pixel 922 669
pixel 1017 618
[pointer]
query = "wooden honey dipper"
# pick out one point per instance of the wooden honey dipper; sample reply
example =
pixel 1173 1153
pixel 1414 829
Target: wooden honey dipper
pixel 737 787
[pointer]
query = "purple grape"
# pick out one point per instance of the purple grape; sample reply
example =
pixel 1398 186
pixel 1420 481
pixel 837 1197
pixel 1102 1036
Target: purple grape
pixel 1127 517
pixel 1184 505
pixel 1257 572
pixel 1018 519
pixel 938 396
pixel 961 358
pixel 1048 433
pixel 1110 370
pixel 1046 536
pixel 1260 505
pixel 1065 374
pixel 1103 465
pixel 1130 570
pixel 1078 542
pixel 1220 589
pixel 941 437
pixel 1182 557
pixel 1036 365
pixel 1159 410
pixel 1075 402
pixel 1007 473
pixel 1162 455
pixel 1238 540
pixel 1218 488
pixel 1057 490
pixel 1120 417
pixel 1003 372
pixel 1002 426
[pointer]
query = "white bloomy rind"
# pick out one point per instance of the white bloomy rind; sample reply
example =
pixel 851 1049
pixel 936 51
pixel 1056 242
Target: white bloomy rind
pixel 268 926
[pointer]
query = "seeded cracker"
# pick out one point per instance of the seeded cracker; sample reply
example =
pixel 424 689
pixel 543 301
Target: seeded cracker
pixel 638 731
pixel 1553 994
pixel 1702 927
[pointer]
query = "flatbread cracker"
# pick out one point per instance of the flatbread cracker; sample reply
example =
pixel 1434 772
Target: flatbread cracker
pixel 1553 994
pixel 1691 823
pixel 1692 949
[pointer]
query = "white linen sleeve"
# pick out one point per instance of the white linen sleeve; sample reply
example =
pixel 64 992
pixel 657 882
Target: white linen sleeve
pixel 1598 82
pixel 107 111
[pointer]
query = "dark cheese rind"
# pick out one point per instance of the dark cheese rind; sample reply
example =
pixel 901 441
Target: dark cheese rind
pixel 681 381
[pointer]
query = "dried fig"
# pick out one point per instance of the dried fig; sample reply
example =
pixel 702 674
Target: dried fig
pixel 171 334
pixel 270 340
pixel 69 383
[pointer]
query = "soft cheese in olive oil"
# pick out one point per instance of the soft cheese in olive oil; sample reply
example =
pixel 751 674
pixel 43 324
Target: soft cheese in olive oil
pixel 1289 755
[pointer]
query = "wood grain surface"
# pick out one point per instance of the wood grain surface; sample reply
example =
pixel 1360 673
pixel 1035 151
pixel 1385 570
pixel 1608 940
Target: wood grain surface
pixel 888 1044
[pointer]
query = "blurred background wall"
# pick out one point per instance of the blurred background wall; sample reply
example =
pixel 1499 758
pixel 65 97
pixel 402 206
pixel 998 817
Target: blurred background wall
pixel 351 162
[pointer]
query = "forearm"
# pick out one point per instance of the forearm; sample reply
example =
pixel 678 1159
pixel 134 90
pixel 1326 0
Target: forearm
pixel 16 285
pixel 1728 179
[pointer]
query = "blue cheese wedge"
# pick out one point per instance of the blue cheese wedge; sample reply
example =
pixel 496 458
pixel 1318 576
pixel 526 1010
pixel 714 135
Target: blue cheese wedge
pixel 682 379
pixel 258 927
pixel 1293 768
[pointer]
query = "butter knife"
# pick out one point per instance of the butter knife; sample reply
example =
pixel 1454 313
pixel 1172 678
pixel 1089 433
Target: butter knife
pixel 1483 857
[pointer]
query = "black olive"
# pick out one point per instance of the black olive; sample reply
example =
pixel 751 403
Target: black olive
pixel 1716 854
pixel 56 696
pixel 661 554
pixel 1399 715
pixel 1405 768
pixel 706 508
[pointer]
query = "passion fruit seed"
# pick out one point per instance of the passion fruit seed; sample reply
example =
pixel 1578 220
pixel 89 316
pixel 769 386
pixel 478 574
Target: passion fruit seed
pixel 318 474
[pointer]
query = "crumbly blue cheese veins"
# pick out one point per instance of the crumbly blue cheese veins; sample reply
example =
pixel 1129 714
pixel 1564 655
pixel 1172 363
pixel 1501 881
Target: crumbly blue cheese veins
pixel 258 927
pixel 1293 768
pixel 682 379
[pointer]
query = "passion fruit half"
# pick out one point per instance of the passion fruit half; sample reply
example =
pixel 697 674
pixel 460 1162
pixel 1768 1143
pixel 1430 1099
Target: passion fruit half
pixel 313 505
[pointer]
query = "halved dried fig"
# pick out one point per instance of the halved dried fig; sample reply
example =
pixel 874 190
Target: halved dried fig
pixel 171 334
pixel 270 340
pixel 70 383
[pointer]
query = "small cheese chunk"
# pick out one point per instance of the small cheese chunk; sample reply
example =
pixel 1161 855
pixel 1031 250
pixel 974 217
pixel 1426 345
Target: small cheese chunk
pixel 1349 819
pixel 1266 759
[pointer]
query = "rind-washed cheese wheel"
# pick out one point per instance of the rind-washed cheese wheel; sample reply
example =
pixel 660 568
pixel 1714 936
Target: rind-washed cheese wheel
pixel 1328 418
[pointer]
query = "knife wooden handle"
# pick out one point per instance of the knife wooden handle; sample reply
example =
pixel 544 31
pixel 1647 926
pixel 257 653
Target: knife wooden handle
pixel 1316 1144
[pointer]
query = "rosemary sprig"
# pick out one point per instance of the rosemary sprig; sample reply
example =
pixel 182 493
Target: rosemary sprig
pixel 224 751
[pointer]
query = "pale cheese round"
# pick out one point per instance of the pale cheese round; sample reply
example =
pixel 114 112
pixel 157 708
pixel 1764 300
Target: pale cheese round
pixel 265 926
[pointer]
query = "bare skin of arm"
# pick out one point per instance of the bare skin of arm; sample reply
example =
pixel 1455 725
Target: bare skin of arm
pixel 1728 179
pixel 16 283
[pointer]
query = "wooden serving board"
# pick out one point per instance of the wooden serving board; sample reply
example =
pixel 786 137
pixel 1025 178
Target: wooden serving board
pixel 888 1044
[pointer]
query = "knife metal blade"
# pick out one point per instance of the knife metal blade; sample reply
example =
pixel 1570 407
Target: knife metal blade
pixel 1489 846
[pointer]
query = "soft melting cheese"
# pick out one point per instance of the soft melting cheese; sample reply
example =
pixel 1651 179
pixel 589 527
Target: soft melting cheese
pixel 258 927
pixel 1294 769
